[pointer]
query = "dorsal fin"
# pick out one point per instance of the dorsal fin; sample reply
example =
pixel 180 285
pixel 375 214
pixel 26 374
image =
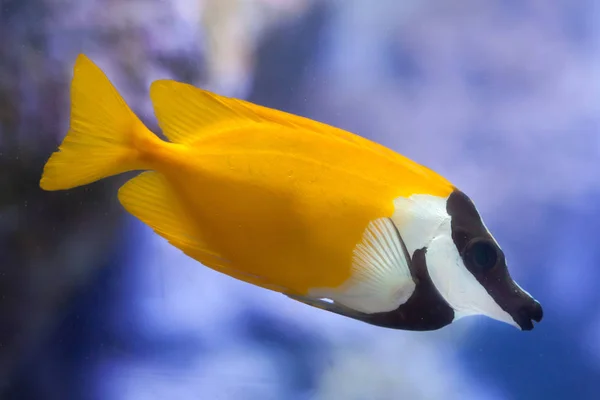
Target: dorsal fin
pixel 185 113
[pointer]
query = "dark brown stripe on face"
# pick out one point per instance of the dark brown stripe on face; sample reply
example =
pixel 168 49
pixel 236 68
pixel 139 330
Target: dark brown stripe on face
pixel 486 261
pixel 425 310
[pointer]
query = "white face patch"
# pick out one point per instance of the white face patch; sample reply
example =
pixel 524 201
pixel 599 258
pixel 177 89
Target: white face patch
pixel 418 219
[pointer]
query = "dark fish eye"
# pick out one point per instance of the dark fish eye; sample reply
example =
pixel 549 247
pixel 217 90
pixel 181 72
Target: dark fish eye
pixel 481 254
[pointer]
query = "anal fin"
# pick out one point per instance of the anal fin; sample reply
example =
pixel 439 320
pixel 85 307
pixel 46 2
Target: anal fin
pixel 330 306
pixel 149 198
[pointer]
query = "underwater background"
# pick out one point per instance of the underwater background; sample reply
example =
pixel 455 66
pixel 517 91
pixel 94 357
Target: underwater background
pixel 502 97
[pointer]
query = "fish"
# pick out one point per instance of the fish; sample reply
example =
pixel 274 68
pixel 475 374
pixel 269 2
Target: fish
pixel 318 214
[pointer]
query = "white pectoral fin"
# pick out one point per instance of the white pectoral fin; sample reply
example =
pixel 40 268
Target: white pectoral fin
pixel 381 280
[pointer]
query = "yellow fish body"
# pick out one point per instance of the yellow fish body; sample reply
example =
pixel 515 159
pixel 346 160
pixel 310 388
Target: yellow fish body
pixel 282 202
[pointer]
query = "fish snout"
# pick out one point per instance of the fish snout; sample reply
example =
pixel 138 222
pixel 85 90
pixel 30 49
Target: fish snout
pixel 526 314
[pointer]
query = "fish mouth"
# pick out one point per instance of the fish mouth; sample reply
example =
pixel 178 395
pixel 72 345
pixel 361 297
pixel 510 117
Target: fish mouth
pixel 525 316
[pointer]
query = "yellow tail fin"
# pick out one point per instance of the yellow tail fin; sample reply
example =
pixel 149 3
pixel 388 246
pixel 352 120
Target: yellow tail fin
pixel 102 137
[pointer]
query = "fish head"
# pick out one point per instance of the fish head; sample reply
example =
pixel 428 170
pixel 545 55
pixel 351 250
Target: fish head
pixel 469 269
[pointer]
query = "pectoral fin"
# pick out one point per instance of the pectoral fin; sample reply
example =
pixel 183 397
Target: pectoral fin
pixel 381 278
